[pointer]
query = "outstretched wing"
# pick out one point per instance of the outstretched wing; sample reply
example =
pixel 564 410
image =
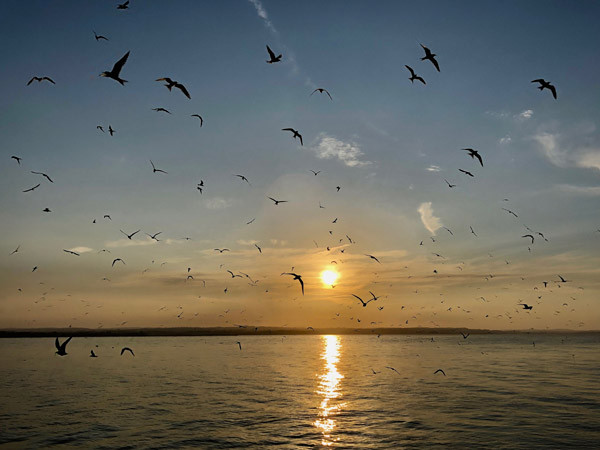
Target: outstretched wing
pixel 271 54
pixel 119 64
pixel 182 88
pixel 412 72
pixel 553 89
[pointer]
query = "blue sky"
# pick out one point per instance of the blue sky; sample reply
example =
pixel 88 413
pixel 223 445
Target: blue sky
pixel 388 143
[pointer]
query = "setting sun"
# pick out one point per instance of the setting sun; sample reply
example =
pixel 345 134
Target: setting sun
pixel 329 277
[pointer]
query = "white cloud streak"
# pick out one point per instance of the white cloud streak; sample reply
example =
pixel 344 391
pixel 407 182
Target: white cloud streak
pixel 430 222
pixel 262 13
pixel 329 147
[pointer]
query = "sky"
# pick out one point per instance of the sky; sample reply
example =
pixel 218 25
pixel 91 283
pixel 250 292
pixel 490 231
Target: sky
pixel 387 143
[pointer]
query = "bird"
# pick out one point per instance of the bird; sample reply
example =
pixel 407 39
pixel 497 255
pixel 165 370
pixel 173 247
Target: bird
pixel 243 178
pixel 40 79
pixel 199 117
pixel 106 216
pixel 123 5
pixel 127 349
pixel 414 76
pixel 472 231
pixel 440 370
pixel 362 301
pixel 277 202
pixel 296 134
pixel 321 90
pixel 465 335
pixel 371 256
pixel 466 172
pixel 154 169
pixel 274 58
pixel 391 368
pixel 92 354
pixel 34 269
pixel 110 130
pixel 296 277
pixel 61 349
pixel 510 212
pixel 33 188
pixel 99 36
pixel 172 83
pixel 337 188
pixel 117 259
pixel 221 250
pixel 71 252
pixel 153 236
pixel 562 279
pixel 474 154
pixel 99 127
pixel 315 173
pixel 431 57
pixel 448 230
pixel 46 210
pixel 44 175
pixel 259 249
pixel 232 275
pixel 129 236
pixel 116 70
pixel 251 221
pixel 545 85
pixel 529 236
pixel 15 250
pixel 525 306
pixel 161 110
pixel 239 344
pixel 449 185
pixel 17 159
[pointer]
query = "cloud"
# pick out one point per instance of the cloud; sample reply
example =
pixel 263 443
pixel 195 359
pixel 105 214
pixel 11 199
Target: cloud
pixel 524 115
pixel 80 249
pixel 505 140
pixel 589 160
pixel 581 190
pixel 130 243
pixel 431 222
pixel 349 153
pixel 217 203
pixel 246 242
pixel 262 13
pixel 548 145
pixel 584 157
pixel 433 168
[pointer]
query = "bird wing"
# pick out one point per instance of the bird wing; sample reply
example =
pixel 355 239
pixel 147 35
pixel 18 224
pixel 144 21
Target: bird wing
pixel 412 72
pixel 167 79
pixel 301 284
pixel 361 300
pixel 271 54
pixel 119 64
pixel 478 156
pixel 288 129
pixel 31 81
pixel 553 89
pixel 435 63
pixel 539 80
pixel 182 88
pixel 49 79
pixel 300 136
pixel 57 344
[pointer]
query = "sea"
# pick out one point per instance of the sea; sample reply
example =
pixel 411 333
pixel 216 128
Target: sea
pixel 513 391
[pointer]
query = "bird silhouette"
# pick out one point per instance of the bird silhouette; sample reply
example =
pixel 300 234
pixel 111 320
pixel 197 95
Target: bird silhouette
pixel 154 169
pixel 441 371
pixel 116 260
pixel 123 5
pixel 529 236
pixel 40 79
pixel 221 250
pixel 33 188
pixel 277 202
pixel 431 57
pixel 17 159
pixel 127 349
pixel 362 301
pixel 474 154
pixel 296 277
pixel 321 90
pixel 199 117
pixel 273 58
pixel 129 236
pixel 71 252
pixel 110 130
pixel 243 178
pixel 449 185
pixel 172 83
pixel 545 85
pixel 466 172
pixel 92 354
pixel 296 134
pixel 44 175
pixel 161 110
pixel 61 349
pixel 259 249
pixel 525 306
pixel 99 36
pixel 510 212
pixel 372 257
pixel 116 70
pixel 414 76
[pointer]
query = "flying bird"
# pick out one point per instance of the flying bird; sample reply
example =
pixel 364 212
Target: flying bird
pixel 296 277
pixel 110 130
pixel 117 259
pixel 431 57
pixel 92 354
pixel 315 173
pixel 61 349
pixel 71 252
pixel 277 202
pixel 172 83
pixel 259 249
pixel 296 134
pixel 17 159
pixel 526 306
pixel 239 344
pixel 99 36
pixel 321 90
pixel 472 231
pixel 199 117
pixel 154 169
pixel 274 58
pixel 414 76
pixel 44 175
pixel 124 5
pixel 46 210
pixel 372 257
pixel 161 110
pixel 562 279
pixel 545 85
pixel 529 236
pixel 221 250
pixel 440 370
pixel 127 349
pixel 510 212
pixel 129 236
pixel 40 79
pixel 153 236
pixel 33 188
pixel 116 70
pixel 465 335
pixel 243 178
pixel 474 154
pixel 362 301
pixel 99 127
pixel 391 368
pixel 466 172
pixel 449 185
pixel 15 250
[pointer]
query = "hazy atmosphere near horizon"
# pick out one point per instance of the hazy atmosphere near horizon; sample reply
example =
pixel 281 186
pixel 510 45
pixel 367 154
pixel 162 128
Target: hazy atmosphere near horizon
pixel 381 199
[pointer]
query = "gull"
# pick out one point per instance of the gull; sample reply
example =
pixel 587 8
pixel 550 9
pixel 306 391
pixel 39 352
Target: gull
pixel 243 178
pixel 154 235
pixel 371 256
pixel 334 220
pixel 474 154
pixel 221 250
pixel 239 344
pixel 117 259
pixel 124 5
pixel 106 216
pixel 431 57
pixel 542 235
pixel 510 212
pixel 189 277
pixel 161 110
pixel 99 127
pixel 71 252
pixel 46 210
pixel 414 76
pixel 15 250
pixel 17 159
pixel 44 175
pixel 274 58
pixel 154 169
pixel 296 277
pixel 316 173
pixel 529 236
pixel 92 354
pixel 296 134
pixel 277 202
pixel 40 79
pixel 440 370
pixel 391 368
pixel 525 306
pixel 99 36
pixel 127 349
pixel 199 117
pixel 562 279
pixel 449 185
pixel 34 269
pixel 466 172
pixel 116 70
pixel 232 275
pixel 61 349
pixel 545 85
pixel 363 302
pixel 248 223
pixel 448 230
pixel 259 249
pixel 465 335
pixel 129 236
pixel 337 188
pixel 172 83
pixel 33 188
pixel 321 90
pixel 472 231
pixel 110 130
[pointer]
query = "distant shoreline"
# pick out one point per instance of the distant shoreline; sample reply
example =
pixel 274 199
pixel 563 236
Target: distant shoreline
pixel 258 331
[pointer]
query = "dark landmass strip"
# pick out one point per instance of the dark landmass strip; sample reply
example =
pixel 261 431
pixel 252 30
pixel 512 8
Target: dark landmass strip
pixel 258 331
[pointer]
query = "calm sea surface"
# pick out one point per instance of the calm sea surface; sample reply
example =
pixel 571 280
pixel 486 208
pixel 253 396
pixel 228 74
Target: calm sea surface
pixel 303 391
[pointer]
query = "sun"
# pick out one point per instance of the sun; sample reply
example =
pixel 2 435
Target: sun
pixel 329 276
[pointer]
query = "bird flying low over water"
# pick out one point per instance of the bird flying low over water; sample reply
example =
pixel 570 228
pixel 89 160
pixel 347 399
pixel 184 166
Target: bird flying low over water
pixel 116 70
pixel 545 85
pixel 296 134
pixel 414 76
pixel 431 57
pixel 321 90
pixel 296 277
pixel 172 83
pixel 127 349
pixel 273 58
pixel 474 154
pixel 61 349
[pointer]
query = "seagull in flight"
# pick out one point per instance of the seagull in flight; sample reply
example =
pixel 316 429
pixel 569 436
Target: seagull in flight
pixel 510 212
pixel 474 154
pixel 296 134
pixel 277 202
pixel 33 188
pixel 15 250
pixel 153 236
pixel 259 249
pixel 61 349
pixel 71 252
pixel 161 110
pixel 315 173
pixel 449 185
pixel 529 236
pixel 466 172
pixel 431 57
pixel 414 76
pixel 296 277
pixel 391 368
pixel 545 85
pixel 472 231
pixel 440 370
pixel 17 159
pixel 111 131
pixel 172 83
pixel 127 349
pixel 117 259
pixel 154 169
pixel 465 335
pixel 124 5
pixel 44 175
pixel 199 117
pixel 221 250
pixel 274 58
pixel 362 301
pixel 243 178
pixel 372 257
pixel 116 70
pixel 321 90
pixel 99 36
pixel 129 236
pixel 526 306
pixel 40 79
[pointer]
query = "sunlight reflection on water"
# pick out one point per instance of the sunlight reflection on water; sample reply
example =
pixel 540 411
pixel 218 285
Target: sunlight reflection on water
pixel 329 389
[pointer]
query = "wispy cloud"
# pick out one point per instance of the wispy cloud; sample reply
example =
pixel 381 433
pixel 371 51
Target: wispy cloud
pixel 80 249
pixel 329 147
pixel 505 140
pixel 130 243
pixel 433 168
pixel 217 203
pixel 247 242
pixel 430 222
pixel 524 115
pixel 590 160
pixel 262 13
pixel 548 145
pixel 552 147
pixel 581 190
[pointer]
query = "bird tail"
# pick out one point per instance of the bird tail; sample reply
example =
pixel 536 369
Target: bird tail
pixel 122 82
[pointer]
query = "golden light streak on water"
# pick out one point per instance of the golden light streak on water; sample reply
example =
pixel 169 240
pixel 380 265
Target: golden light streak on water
pixel 329 389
